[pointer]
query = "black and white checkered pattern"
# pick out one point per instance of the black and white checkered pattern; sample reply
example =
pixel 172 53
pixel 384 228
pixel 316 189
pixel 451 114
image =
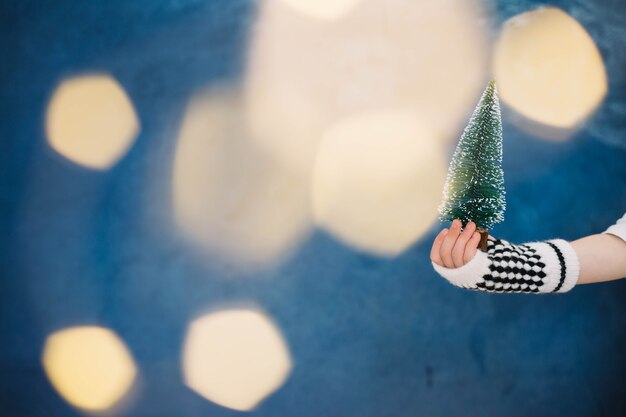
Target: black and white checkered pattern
pixel 537 267
pixel 512 268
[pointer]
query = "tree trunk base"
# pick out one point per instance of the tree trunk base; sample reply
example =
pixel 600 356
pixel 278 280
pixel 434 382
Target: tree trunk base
pixel 484 234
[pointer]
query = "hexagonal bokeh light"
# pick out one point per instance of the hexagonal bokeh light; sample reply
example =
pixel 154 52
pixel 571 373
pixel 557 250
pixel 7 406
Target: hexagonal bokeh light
pixel 549 69
pixel 235 358
pixel 378 179
pixel 305 75
pixel 91 121
pixel 229 197
pixel 89 366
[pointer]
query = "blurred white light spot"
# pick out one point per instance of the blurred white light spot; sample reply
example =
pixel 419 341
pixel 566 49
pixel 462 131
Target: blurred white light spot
pixel 235 358
pixel 549 69
pixel 230 197
pixel 91 121
pixel 303 74
pixel 378 180
pixel 90 367
pixel 322 9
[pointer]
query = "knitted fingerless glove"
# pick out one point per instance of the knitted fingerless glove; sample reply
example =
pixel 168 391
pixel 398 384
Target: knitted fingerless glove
pixel 537 267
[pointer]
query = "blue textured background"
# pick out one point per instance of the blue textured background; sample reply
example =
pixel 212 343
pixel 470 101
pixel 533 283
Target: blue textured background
pixel 369 336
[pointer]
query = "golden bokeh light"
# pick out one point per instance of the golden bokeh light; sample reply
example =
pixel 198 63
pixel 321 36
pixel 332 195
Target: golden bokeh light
pixel 228 196
pixel 322 9
pixel 303 75
pixel 91 121
pixel 378 180
pixel 89 366
pixel 549 70
pixel 235 358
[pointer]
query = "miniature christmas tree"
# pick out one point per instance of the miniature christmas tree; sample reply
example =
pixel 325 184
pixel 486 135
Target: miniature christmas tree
pixel 474 189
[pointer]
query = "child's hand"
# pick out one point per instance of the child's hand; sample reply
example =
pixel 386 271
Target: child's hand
pixel 454 248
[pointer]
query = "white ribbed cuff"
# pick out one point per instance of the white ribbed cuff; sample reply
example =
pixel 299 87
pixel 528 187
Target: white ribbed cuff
pixel 562 266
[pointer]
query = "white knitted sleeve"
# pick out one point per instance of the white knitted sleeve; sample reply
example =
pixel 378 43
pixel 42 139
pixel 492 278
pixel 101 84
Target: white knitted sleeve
pixel 535 267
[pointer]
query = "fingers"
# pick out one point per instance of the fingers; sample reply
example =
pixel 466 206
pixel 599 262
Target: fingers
pixel 471 247
pixel 458 251
pixel 448 244
pixel 454 248
pixel 434 252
